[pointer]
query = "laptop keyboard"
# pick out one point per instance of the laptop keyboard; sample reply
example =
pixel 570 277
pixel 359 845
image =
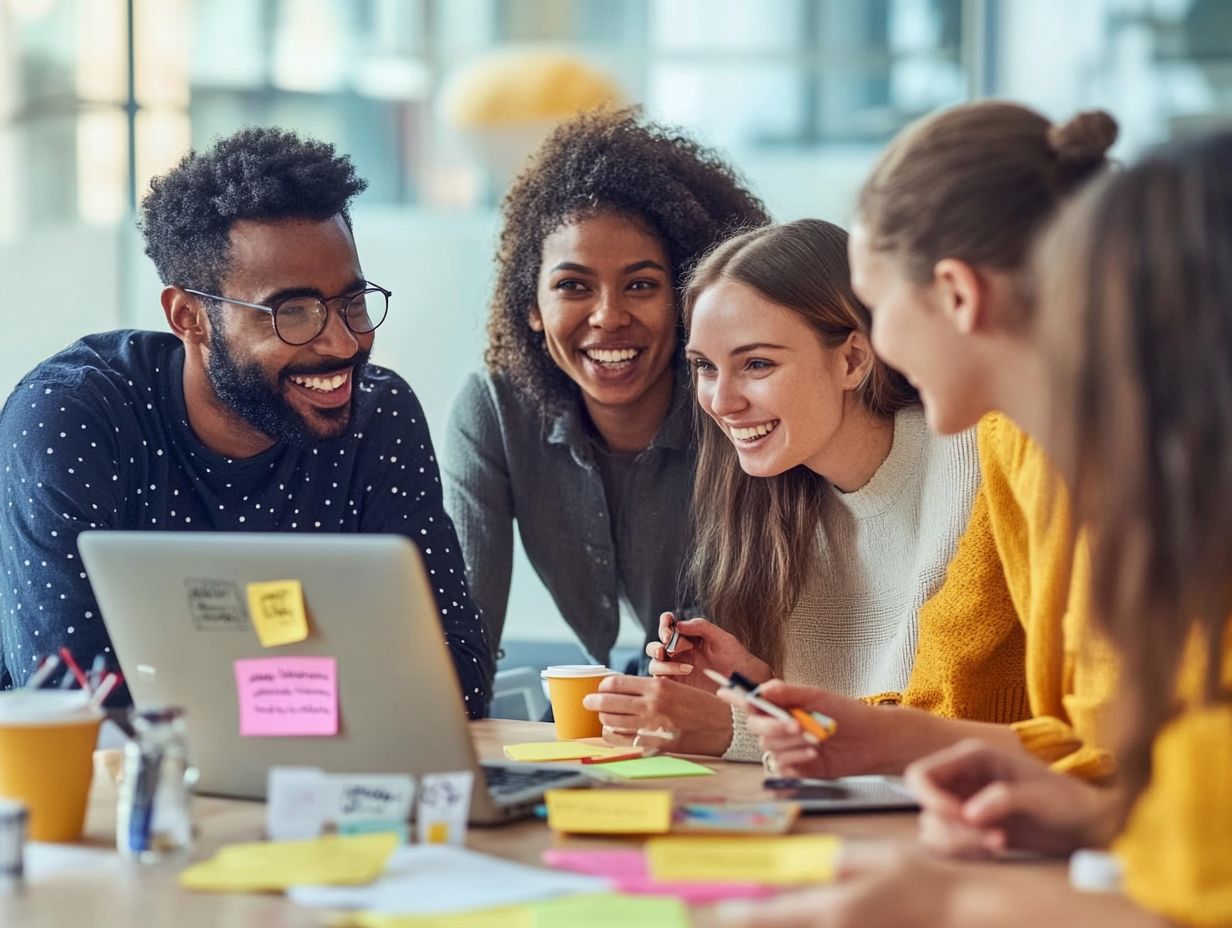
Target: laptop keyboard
pixel 505 781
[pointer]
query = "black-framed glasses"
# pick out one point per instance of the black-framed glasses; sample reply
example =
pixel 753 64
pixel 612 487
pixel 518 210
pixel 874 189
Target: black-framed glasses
pixel 299 319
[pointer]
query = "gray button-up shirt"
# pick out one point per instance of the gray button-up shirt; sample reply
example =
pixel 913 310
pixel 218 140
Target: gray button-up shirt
pixel 505 459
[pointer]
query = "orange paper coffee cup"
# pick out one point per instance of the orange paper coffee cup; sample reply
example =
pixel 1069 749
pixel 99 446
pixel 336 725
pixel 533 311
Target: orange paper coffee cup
pixel 47 740
pixel 568 684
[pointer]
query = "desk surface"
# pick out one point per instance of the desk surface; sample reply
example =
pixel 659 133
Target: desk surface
pixel 124 894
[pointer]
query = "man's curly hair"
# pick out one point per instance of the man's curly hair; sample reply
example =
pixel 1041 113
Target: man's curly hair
pixel 266 174
pixel 601 162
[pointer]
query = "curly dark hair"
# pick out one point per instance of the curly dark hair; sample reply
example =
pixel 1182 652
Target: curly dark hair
pixel 265 174
pixel 610 161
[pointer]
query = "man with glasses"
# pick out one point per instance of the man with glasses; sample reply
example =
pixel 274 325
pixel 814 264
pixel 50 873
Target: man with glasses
pixel 257 412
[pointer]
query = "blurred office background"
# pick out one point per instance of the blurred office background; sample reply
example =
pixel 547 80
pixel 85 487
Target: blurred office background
pixel 96 96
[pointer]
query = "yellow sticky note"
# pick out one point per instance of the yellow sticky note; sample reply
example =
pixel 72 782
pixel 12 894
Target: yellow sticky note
pixel 511 916
pixel 536 752
pixel 272 866
pixel 782 861
pixel 610 811
pixel 278 613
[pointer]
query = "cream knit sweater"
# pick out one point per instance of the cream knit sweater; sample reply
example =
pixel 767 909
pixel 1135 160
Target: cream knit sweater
pixel 882 551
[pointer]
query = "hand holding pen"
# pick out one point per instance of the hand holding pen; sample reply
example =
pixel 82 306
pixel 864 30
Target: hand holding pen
pixel 688 647
pixel 864 738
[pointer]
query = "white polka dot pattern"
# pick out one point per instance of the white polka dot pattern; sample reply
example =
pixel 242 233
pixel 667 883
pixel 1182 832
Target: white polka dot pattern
pixel 98 437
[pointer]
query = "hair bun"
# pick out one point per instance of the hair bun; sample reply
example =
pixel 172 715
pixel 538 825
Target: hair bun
pixel 1084 139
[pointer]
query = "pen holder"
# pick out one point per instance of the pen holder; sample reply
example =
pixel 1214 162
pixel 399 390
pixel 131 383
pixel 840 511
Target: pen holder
pixel 47 743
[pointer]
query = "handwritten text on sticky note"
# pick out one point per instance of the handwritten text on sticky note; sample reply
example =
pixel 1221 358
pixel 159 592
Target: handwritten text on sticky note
pixel 287 696
pixel 277 611
pixel 372 797
pixel 609 811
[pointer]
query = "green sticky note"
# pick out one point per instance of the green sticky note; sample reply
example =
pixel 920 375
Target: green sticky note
pixel 609 910
pixel 647 768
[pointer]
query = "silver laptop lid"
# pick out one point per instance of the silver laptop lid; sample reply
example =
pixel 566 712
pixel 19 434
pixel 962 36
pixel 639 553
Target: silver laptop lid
pixel 175 605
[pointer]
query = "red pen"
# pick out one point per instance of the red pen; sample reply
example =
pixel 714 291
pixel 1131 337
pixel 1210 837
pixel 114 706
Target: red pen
pixel 635 755
pixel 67 656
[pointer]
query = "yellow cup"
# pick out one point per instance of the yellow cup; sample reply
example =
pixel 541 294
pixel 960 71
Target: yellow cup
pixel 568 685
pixel 47 740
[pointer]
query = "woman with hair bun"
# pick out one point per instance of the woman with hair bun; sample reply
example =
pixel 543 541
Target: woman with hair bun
pixel 1134 352
pixel 945 225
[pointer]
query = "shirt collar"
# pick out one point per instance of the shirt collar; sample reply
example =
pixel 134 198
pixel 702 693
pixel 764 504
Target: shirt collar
pixel 566 427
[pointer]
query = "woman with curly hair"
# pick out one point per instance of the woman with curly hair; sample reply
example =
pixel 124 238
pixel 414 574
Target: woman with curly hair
pixel 579 428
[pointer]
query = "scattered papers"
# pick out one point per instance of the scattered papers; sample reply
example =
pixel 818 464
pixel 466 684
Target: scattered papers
pixel 780 861
pixel 648 768
pixel 627 871
pixel 760 818
pixel 278 612
pixel 287 696
pixel 272 866
pixel 430 879
pixel 537 752
pixel 444 804
pixel 609 811
pixel 604 910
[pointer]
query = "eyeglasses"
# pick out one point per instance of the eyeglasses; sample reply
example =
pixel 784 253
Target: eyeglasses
pixel 300 319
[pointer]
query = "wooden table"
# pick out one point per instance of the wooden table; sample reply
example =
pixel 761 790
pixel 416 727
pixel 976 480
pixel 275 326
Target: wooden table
pixel 124 894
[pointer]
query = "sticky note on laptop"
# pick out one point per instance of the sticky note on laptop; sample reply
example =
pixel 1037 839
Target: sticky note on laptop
pixel 287 696
pixel 278 612
pixel 537 752
pixel 609 811
pixel 649 768
pixel 782 861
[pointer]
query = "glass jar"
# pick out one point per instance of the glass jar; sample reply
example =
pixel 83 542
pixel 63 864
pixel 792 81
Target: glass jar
pixel 154 815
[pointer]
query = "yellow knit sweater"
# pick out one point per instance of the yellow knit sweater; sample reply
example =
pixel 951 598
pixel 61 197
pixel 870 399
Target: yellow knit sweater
pixel 1177 844
pixel 1008 637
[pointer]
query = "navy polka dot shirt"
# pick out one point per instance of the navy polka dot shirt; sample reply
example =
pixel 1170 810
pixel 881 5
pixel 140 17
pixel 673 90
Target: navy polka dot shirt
pixel 97 436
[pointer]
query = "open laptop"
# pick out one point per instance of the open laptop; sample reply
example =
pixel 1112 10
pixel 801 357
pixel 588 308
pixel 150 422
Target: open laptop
pixel 175 605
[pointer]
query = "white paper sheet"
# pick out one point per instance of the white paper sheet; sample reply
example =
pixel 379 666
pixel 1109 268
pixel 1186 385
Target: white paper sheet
pixel 428 879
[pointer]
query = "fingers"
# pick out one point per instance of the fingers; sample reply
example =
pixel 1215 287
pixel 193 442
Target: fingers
pixel 806 909
pixel 618 735
pixel 796 761
pixel 955 838
pixel 662 668
pixel 944 780
pixel 806 697
pixel 614 704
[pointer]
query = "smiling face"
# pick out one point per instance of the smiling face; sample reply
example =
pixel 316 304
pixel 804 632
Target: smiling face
pixel 913 332
pixel 292 393
pixel 606 308
pixel 763 375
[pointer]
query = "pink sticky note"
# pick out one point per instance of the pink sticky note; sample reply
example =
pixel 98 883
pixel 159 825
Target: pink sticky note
pixel 285 696
pixel 627 872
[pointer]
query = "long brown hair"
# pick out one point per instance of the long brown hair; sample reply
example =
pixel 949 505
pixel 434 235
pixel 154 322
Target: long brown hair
pixel 1137 327
pixel 978 182
pixel 754 536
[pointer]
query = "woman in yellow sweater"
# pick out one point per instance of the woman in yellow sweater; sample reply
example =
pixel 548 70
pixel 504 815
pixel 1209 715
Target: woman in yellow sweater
pixel 1137 337
pixel 944 226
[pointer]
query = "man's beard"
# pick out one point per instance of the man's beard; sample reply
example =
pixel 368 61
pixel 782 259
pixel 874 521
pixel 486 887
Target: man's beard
pixel 247 391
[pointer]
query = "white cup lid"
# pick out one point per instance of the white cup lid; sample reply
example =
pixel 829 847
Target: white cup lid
pixel 46 707
pixel 576 670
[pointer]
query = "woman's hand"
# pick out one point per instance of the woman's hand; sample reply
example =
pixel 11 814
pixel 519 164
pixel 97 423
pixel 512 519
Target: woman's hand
pixel 701 721
pixel 885 884
pixel 859 745
pixel 977 801
pixel 701 645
